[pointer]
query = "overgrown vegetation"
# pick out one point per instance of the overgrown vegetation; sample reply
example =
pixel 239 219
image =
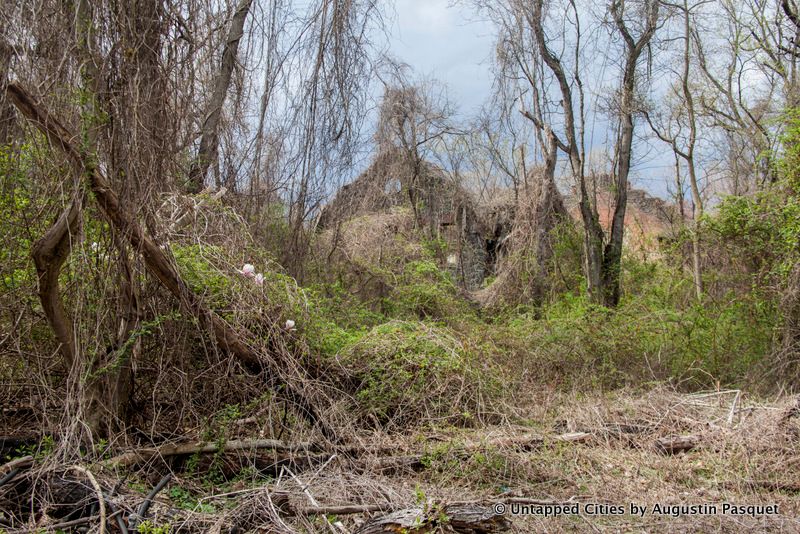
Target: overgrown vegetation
pixel 192 303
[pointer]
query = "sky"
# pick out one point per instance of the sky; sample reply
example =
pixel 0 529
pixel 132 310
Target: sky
pixel 441 42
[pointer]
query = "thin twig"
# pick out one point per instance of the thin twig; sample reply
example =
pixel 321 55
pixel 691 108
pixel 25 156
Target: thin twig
pixel 333 526
pixel 732 412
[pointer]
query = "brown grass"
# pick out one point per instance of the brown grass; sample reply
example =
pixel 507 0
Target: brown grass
pixel 752 460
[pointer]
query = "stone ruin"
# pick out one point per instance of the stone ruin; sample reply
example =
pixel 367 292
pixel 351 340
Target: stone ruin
pixel 442 210
pixel 474 234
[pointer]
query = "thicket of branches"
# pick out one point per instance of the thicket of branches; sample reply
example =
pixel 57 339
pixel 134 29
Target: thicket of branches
pixel 150 148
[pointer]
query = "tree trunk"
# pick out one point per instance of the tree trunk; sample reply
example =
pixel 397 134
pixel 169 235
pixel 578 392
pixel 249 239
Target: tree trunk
pixel 549 211
pixel 209 140
pixel 697 200
pixel 107 383
pixel 49 254
pixel 6 110
pixel 697 215
pixel 593 237
pixel 612 255
pixel 593 232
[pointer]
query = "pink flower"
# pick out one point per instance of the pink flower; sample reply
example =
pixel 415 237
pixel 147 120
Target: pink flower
pixel 259 279
pixel 289 325
pixel 248 270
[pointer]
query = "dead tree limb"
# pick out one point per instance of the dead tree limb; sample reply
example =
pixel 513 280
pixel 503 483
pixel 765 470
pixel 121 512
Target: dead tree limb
pixel 469 518
pixel 49 254
pixel 348 509
pixel 209 140
pixel 159 264
pixel 25 461
pixel 101 501
pixel 178 449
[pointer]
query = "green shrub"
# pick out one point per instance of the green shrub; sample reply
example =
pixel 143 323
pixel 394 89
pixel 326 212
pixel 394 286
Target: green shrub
pixel 762 230
pixel 148 527
pixel 201 275
pixel 652 335
pixel 423 291
pixel 411 370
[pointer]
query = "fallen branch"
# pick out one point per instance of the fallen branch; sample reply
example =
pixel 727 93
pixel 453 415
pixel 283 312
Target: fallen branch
pixel 56 527
pixel 335 526
pixel 143 509
pixel 178 449
pixel 349 509
pixel 467 518
pixel 676 444
pixel 160 266
pixel 11 475
pixel 25 461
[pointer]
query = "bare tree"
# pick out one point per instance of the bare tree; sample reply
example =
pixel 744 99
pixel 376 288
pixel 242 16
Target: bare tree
pixel 414 121
pixel 683 144
pixel 209 139
pixel 527 46
pixel 328 111
pixel 523 59
pixel 634 47
pixel 745 76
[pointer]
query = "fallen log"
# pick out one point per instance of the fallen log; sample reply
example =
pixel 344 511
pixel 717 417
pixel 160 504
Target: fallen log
pixel 348 509
pixel 467 518
pixel 161 267
pixel 676 444
pixel 25 461
pixel 144 455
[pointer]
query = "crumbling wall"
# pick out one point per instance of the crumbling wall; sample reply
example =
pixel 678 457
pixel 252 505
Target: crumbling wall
pixel 442 210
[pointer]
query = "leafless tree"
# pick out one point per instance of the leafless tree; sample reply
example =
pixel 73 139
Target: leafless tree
pixel 749 80
pixel 681 133
pixel 413 124
pixel 537 57
pixel 209 139
pixel 634 46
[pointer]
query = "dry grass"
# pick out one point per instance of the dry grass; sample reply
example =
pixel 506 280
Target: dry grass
pixel 382 241
pixel 746 462
pixel 748 453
